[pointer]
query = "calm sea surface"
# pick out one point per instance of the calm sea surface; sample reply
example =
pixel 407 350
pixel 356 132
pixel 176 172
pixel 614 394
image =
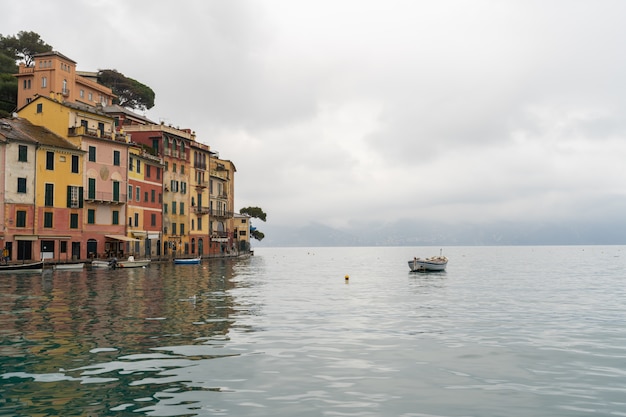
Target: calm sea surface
pixel 505 331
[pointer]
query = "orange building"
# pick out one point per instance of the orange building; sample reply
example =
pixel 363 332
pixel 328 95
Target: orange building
pixel 55 74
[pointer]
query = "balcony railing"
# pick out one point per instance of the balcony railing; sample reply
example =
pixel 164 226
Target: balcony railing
pixel 219 174
pixel 201 210
pixel 221 213
pixel 83 131
pixel 102 197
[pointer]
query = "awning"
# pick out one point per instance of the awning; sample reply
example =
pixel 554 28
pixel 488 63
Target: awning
pixel 153 235
pixel 25 237
pixel 122 237
pixel 139 234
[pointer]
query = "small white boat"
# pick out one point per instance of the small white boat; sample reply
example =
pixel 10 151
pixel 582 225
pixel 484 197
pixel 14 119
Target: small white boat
pixel 435 263
pixel 101 264
pixel 187 261
pixel 131 263
pixel 72 265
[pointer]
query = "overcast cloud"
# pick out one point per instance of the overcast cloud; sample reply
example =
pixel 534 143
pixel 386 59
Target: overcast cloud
pixel 343 112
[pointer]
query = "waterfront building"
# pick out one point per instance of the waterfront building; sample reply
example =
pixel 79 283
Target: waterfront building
pixel 42 193
pixel 221 206
pixel 104 171
pixel 54 73
pixel 199 181
pixel 242 232
pixel 172 144
pixel 145 197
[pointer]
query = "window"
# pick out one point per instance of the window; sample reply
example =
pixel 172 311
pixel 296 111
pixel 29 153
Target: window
pixel 44 82
pixel 173 207
pixel 75 164
pixel 91 190
pixel 21 185
pixel 130 222
pixel 130 193
pixel 92 154
pixel 65 90
pixel 22 153
pixel 182 169
pixel 91 216
pixel 49 195
pixel 182 228
pixel 148 171
pixel 173 228
pixel 174 168
pixel 50 161
pixel 137 193
pixel 138 167
pixel 136 219
pixel 158 173
pixel 116 191
pixel 82 93
pixel 152 196
pixel 131 164
pixel 153 219
pixel 165 208
pixel 182 208
pixel 200 223
pixel 160 198
pixel 90 96
pixel 20 218
pixel 47 220
pixel 74 196
pixel 116 217
pixel 116 158
pixel 145 196
pixel 74 221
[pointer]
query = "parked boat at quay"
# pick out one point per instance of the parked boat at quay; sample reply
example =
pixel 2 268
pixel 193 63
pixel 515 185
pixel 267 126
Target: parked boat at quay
pixel 72 265
pixel 187 261
pixel 29 267
pixel 131 262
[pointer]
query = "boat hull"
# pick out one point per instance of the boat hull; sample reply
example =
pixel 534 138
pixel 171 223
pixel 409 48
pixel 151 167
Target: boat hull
pixel 30 267
pixel 187 261
pixel 79 265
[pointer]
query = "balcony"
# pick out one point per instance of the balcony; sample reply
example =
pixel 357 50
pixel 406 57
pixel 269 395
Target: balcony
pixel 105 198
pixel 224 214
pixel 201 210
pixel 220 174
pixel 202 184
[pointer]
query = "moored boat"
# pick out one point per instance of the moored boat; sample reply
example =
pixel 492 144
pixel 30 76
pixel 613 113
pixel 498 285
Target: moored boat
pixel 435 263
pixel 187 261
pixel 72 265
pixel 131 263
pixel 29 267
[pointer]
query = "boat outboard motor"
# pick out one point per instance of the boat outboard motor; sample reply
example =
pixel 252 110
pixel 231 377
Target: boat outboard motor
pixel 113 263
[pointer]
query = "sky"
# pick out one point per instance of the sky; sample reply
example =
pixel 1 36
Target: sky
pixel 350 112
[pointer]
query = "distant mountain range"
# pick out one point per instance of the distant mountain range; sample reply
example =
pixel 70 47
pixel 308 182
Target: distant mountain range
pixel 428 234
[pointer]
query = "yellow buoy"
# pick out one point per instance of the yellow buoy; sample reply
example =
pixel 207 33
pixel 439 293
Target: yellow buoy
pixel 347 277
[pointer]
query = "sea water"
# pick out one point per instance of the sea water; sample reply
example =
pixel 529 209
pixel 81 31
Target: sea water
pixel 504 331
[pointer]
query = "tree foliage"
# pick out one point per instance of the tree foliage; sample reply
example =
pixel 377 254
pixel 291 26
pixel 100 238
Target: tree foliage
pixel 257 213
pixel 130 93
pixel 24 46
